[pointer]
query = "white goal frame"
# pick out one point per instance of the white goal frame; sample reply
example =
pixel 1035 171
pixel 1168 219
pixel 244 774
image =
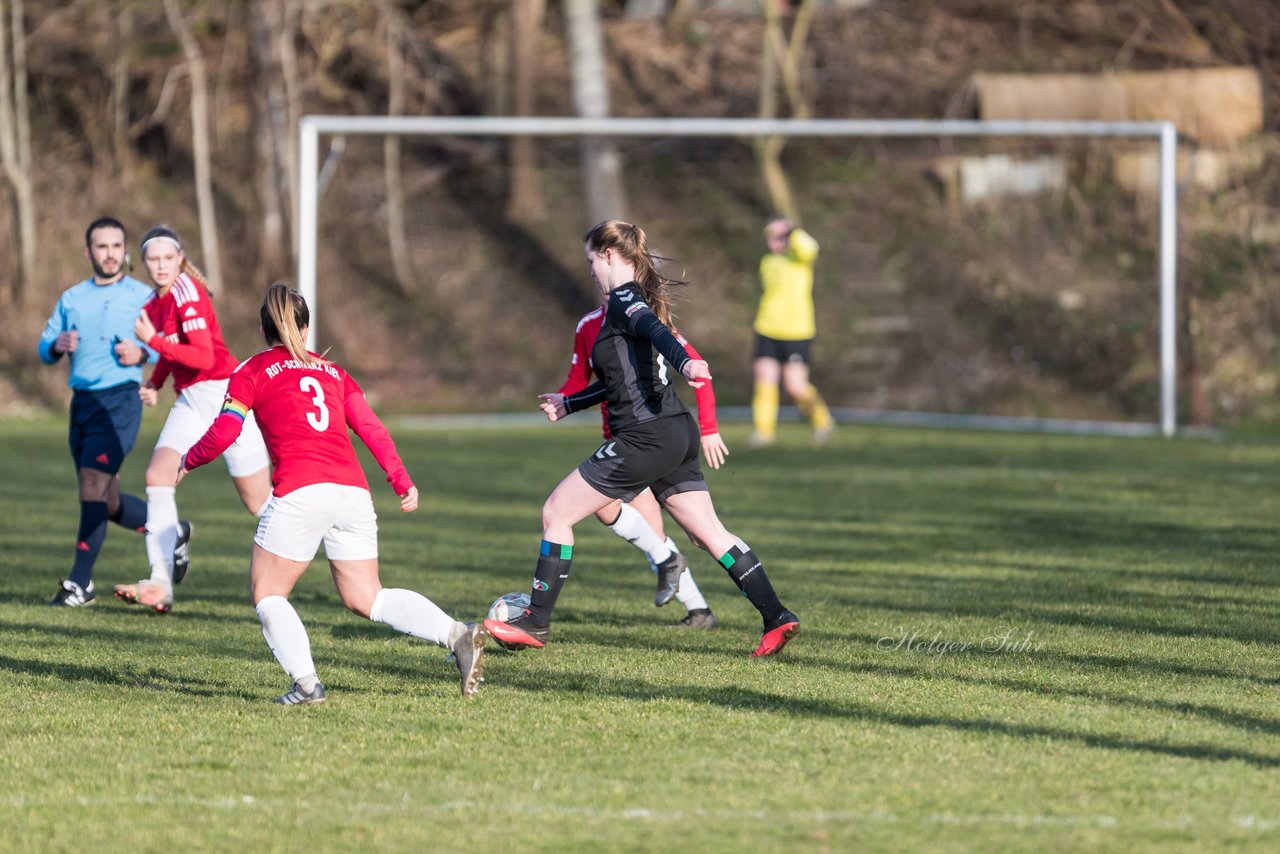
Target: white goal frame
pixel 311 127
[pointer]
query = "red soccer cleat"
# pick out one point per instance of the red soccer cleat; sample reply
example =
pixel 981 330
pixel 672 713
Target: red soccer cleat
pixel 520 633
pixel 776 638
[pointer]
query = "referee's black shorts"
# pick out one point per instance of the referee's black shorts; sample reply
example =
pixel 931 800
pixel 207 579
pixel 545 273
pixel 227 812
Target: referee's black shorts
pixel 661 454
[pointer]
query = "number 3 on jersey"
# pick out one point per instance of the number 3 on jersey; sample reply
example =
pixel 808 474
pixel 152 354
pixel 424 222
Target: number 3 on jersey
pixel 318 420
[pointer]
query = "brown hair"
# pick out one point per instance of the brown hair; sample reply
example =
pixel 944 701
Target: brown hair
pixel 284 315
pixel 629 240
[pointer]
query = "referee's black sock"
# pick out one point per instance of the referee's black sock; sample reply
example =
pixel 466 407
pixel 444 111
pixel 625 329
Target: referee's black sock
pixel 548 578
pixel 93 530
pixel 131 514
pixel 748 573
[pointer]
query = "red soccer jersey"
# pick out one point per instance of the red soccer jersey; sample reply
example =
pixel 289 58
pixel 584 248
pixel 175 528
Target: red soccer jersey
pixel 581 370
pixel 187 337
pixel 304 412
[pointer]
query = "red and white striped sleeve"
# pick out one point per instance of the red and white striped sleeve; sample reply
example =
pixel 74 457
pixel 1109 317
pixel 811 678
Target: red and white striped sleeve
pixel 194 310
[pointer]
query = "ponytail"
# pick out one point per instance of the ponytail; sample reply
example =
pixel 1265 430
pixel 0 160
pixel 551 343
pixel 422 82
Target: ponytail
pixel 194 272
pixel 284 315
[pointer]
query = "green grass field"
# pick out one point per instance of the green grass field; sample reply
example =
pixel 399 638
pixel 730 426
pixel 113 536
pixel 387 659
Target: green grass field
pixel 1010 642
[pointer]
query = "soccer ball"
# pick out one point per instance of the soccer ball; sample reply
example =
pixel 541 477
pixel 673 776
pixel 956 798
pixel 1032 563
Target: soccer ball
pixel 508 607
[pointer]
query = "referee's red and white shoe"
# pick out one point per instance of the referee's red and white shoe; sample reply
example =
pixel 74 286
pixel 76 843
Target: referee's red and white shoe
pixel 520 633
pixel 785 626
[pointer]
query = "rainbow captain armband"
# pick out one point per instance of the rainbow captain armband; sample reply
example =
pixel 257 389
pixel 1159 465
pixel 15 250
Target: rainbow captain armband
pixel 231 406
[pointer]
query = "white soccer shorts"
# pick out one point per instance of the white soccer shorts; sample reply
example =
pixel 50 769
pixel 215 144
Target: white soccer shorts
pixel 195 409
pixel 341 517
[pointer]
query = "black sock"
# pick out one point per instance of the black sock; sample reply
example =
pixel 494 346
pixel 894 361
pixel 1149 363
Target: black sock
pixel 748 573
pixel 131 514
pixel 548 578
pixel 93 530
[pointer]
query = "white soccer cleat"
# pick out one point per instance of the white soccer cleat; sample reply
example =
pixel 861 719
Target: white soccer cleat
pixel 157 597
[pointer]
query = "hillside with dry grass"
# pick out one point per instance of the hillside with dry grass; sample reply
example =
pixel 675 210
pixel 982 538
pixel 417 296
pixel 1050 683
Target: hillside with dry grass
pixel 1030 306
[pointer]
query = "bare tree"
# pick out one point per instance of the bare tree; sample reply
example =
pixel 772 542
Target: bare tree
pixel 293 107
pixel 601 165
pixel 270 136
pixel 394 27
pixel 524 196
pixel 495 55
pixel 15 143
pixel 780 58
pixel 123 24
pixel 200 141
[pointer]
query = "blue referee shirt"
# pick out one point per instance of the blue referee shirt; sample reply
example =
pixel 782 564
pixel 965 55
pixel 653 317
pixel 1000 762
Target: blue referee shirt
pixel 99 313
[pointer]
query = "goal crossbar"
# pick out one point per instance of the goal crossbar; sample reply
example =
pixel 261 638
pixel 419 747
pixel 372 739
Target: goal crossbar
pixel 310 129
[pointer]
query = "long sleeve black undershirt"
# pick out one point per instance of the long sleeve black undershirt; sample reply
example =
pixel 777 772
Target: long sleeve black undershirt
pixel 628 303
pixel 590 396
pixel 627 309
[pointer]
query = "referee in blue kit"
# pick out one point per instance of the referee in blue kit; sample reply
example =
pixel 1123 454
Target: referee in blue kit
pixel 92 325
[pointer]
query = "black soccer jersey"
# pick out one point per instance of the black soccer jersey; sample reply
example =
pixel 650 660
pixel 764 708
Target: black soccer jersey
pixel 637 359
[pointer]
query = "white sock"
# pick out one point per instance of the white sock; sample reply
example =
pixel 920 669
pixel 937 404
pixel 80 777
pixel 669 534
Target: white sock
pixel 687 593
pixel 162 532
pixel 632 527
pixel 287 637
pixel 413 614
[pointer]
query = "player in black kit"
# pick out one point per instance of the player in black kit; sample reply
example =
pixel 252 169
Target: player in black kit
pixel 655 441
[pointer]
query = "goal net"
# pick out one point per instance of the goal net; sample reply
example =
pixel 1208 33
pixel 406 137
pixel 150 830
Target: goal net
pixel 993 274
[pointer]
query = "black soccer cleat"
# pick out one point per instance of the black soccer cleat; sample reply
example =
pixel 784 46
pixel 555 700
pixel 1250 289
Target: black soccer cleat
pixel 519 633
pixel 182 552
pixel 669 578
pixel 72 595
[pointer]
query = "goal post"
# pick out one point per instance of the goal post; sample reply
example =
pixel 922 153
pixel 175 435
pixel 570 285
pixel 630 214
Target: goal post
pixel 311 128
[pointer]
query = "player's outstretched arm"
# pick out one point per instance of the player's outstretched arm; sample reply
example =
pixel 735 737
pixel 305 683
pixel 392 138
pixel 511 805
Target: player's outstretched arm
pixel 592 395
pixel 366 424
pixel 224 430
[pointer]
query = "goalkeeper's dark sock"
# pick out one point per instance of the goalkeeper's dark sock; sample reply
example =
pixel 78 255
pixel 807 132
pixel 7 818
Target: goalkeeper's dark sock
pixel 93 530
pixel 131 514
pixel 748 573
pixel 548 578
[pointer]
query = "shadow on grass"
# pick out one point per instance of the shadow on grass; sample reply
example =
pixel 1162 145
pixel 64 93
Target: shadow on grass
pixel 101 675
pixel 1041 688
pixel 80 632
pixel 595 685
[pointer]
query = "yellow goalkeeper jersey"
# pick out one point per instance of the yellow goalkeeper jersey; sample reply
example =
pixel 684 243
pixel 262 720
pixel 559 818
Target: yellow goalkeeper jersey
pixel 786 305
